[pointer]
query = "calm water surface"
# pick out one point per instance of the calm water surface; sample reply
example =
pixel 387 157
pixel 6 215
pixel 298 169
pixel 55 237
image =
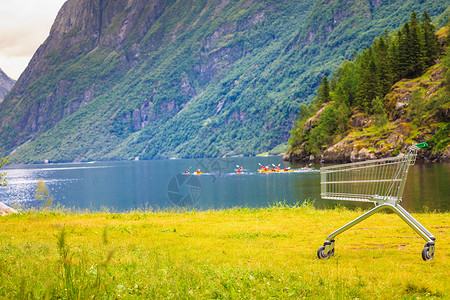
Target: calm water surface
pixel 123 186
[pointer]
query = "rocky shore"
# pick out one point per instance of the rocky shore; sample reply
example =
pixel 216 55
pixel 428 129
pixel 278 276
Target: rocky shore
pixel 6 210
pixel 363 140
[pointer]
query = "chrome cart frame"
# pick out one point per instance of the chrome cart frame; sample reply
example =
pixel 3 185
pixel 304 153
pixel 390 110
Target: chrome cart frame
pixel 380 181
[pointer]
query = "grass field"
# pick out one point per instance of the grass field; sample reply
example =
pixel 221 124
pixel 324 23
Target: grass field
pixel 232 254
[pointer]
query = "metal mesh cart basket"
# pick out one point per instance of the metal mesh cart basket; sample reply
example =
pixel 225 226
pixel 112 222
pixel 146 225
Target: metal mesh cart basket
pixel 380 181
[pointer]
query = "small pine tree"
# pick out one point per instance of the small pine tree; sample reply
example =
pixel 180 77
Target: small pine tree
pixel 431 46
pixel 296 138
pixel 417 61
pixel 379 112
pixel 369 85
pixel 411 63
pixel 393 56
pixel 384 66
pixel 416 107
pixel 323 93
pixel 403 51
pixel 342 116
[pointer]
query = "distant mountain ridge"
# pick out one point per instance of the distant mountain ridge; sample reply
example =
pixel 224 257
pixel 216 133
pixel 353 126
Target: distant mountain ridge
pixel 6 84
pixel 135 79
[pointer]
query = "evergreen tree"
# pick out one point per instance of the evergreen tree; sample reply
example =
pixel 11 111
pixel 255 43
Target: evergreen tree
pixel 343 111
pixel 411 62
pixel 416 57
pixel 379 112
pixel 431 46
pixel 383 66
pixel 305 112
pixel 416 107
pixel 403 51
pixel 297 135
pixel 368 80
pixel 373 84
pixel 322 134
pixel 346 86
pixel 333 81
pixel 393 57
pixel 364 81
pixel 323 93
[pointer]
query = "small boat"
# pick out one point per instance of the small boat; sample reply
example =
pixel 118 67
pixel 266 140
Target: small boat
pixel 274 171
pixel 267 171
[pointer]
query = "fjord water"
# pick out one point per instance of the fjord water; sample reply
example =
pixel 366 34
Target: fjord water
pixel 161 184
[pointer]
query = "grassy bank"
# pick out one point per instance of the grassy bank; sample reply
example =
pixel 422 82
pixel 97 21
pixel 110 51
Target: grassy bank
pixel 238 253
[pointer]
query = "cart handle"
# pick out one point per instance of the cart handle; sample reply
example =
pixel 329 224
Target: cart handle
pixel 422 145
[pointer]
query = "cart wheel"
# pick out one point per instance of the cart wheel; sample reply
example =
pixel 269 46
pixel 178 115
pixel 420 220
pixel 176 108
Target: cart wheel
pixel 321 253
pixel 426 255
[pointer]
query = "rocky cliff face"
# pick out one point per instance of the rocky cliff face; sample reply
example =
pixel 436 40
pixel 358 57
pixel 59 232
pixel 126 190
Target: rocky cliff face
pixel 6 84
pixel 81 27
pixel 158 56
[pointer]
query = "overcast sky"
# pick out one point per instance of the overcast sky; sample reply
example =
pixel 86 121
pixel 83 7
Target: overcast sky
pixel 24 26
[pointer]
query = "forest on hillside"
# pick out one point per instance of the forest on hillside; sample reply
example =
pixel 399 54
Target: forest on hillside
pixel 361 84
pixel 198 78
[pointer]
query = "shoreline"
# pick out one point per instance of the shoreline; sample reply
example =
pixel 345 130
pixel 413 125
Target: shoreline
pixel 6 210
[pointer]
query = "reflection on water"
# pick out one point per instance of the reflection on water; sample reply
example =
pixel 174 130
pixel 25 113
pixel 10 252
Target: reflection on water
pixel 428 188
pixel 122 186
pixel 22 182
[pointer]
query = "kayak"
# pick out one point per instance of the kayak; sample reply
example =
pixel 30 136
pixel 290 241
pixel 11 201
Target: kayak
pixel 274 171
pixel 198 173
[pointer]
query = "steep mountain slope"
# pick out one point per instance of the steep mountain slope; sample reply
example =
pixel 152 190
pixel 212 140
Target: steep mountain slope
pixel 419 113
pixel 404 99
pixel 164 78
pixel 6 84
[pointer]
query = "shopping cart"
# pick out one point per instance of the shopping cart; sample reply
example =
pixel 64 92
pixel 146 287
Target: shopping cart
pixel 380 181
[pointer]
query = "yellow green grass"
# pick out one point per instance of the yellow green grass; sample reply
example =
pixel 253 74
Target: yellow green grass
pixel 232 254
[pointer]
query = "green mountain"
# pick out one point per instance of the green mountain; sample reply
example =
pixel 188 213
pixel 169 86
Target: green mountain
pixel 159 79
pixel 391 95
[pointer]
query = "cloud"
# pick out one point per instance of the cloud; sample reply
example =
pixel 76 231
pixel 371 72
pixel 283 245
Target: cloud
pixel 14 66
pixel 24 26
pixel 21 41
